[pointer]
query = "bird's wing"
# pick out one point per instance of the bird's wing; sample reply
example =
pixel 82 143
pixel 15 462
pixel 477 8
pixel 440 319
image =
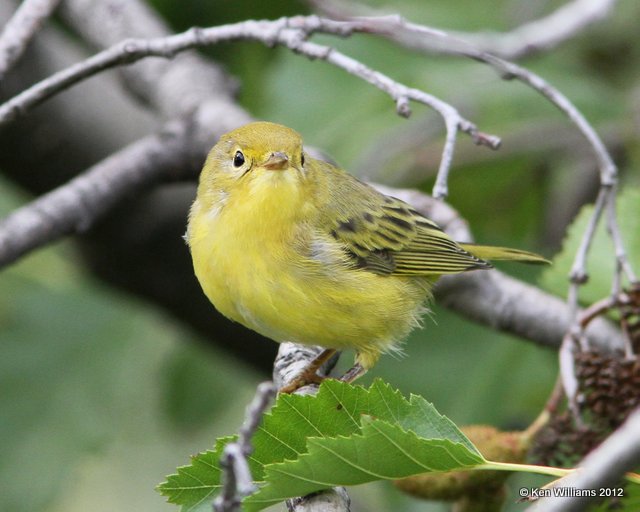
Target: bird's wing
pixel 387 236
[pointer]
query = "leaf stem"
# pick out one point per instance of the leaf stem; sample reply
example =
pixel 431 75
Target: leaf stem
pixel 541 470
pixel 524 468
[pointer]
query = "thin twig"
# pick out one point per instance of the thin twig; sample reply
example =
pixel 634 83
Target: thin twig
pixel 433 40
pixel 578 274
pixel 623 265
pixel 289 32
pixel 529 38
pixel 20 29
pixel 237 481
pixel 264 396
pixel 566 356
pixel 542 34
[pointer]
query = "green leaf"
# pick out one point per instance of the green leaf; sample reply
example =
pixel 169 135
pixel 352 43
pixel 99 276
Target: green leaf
pixel 382 451
pixel 195 485
pixel 601 261
pixel 343 435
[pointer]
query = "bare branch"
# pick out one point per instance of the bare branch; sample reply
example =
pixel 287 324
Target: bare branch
pixel 291 360
pixel 291 33
pixel 432 40
pixel 578 274
pixel 623 266
pixel 604 467
pixel 256 409
pixel 173 87
pixel 75 206
pixel 501 302
pixel 533 37
pixel 542 34
pixel 20 29
pixel 237 481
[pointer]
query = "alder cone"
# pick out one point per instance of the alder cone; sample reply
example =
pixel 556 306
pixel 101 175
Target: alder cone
pixel 630 317
pixel 609 388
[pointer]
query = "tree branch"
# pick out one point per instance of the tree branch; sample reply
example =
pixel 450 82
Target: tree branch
pixel 289 32
pixel 542 34
pixel 20 29
pixel 173 87
pixel 530 38
pixel 291 360
pixel 75 206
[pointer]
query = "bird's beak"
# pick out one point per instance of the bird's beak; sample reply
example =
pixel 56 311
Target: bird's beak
pixel 277 161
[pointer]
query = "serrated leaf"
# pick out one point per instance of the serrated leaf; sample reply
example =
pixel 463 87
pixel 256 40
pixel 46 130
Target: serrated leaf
pixel 381 451
pixel 601 261
pixel 196 484
pixel 346 434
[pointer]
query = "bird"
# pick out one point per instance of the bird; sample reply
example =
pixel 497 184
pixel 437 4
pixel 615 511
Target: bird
pixel 299 250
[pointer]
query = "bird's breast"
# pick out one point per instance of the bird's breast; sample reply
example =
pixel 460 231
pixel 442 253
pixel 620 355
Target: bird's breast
pixel 246 256
pixel 275 272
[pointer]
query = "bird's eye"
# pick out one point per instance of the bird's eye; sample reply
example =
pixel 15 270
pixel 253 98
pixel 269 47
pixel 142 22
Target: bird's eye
pixel 238 159
pixel 302 160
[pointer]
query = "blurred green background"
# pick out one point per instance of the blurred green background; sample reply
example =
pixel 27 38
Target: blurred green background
pixel 101 395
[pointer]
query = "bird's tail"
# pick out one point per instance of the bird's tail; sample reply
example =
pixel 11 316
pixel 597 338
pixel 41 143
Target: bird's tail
pixel 487 252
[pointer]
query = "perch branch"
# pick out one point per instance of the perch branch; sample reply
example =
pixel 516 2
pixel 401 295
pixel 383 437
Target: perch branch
pixel 20 29
pixel 290 362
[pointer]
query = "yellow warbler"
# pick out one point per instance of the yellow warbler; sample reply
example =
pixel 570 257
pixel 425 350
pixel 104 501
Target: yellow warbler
pixel 298 250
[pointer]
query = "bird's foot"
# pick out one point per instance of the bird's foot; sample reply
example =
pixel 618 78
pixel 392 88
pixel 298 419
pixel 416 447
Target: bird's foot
pixel 304 379
pixel 353 373
pixel 310 374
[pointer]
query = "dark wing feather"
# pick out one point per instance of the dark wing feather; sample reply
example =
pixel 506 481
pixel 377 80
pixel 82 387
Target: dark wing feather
pixel 387 236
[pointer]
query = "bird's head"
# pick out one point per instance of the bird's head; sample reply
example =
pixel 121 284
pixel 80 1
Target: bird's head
pixel 255 158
